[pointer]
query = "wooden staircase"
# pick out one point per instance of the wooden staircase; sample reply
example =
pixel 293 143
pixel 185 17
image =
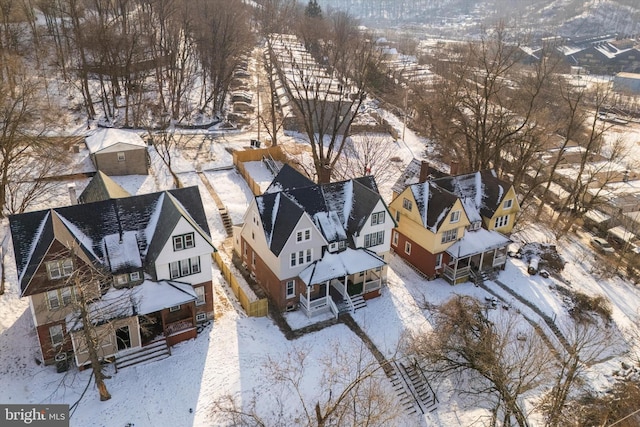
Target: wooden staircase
pixel 156 350
pixel 226 221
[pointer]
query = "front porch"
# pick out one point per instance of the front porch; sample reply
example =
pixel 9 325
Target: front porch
pixel 334 281
pixel 477 251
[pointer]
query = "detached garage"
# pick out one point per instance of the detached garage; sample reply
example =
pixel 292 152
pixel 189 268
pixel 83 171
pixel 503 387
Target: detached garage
pixel 118 152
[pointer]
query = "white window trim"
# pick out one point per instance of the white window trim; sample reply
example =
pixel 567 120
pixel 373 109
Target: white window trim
pixel 183 241
pixel 185 267
pixel 61 334
pixel 407 248
pixel 204 295
pixel 454 217
pixel 439 260
pixel 291 283
pixel 377 218
pixel 407 204
pixel 395 238
pixel 135 275
pixel 509 202
pixel 502 221
pixel 303 235
pixel 174 308
pixel 449 236
pixel 121 156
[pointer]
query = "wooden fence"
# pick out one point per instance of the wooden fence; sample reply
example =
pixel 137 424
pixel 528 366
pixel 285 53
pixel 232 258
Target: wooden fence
pixel 259 308
pixel 256 155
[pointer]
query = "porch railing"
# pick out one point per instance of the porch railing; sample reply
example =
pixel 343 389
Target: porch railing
pixel 334 309
pixel 315 306
pixel 459 273
pixel 499 260
pixel 179 326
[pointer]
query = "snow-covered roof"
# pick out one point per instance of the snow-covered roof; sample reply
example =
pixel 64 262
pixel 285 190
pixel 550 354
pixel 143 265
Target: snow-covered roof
pixel 122 250
pixel 476 242
pixel 105 138
pixel 340 264
pixel 95 229
pixel 155 296
pixel 338 209
pixel 597 216
pixel 622 233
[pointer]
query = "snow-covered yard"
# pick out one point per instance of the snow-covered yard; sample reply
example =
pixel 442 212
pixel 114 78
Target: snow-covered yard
pixel 233 355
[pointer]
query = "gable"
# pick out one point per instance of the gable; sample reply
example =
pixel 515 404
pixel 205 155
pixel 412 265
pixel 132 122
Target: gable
pixel 86 225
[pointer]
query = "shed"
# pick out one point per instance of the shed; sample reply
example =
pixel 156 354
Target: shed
pixel 118 152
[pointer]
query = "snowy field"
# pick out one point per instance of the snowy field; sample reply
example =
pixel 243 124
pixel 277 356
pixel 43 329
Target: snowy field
pixel 235 355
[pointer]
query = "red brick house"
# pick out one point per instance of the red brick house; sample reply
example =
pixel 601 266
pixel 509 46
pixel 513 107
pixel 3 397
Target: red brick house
pixel 144 267
pixel 317 247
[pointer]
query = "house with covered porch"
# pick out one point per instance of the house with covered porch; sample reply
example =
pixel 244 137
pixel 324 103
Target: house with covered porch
pixel 316 247
pixel 140 266
pixel 454 227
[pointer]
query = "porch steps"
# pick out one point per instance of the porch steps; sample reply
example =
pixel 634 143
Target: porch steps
pixel 358 302
pixel 414 391
pixel 157 350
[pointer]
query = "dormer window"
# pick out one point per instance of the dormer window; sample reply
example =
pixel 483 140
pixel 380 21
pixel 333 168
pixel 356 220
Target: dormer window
pixel 507 204
pixel 120 279
pixel 455 216
pixel 475 226
pixel 184 241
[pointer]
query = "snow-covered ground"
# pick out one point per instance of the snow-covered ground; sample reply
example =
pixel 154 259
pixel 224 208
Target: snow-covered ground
pixel 234 356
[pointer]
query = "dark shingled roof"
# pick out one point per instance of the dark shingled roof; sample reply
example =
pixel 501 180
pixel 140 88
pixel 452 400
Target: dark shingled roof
pixel 34 232
pixel 411 175
pixel 433 203
pixel 483 188
pixel 287 179
pixel 339 209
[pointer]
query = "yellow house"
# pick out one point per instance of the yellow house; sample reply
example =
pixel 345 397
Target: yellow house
pixel 454 226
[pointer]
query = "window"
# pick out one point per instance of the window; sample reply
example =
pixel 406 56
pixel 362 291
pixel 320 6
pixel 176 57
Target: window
pixel 301 257
pixel 201 317
pixel 455 216
pixel 397 216
pixel 120 279
pixel 59 298
pixel 406 203
pixel 121 157
pixel 303 235
pixel 438 260
pixel 502 221
pixel 373 239
pixel 184 267
pixel 53 300
pixel 395 238
pixel 449 235
pixel 407 248
pixel 174 308
pixel 377 218
pixel 134 276
pixel 200 293
pixel 291 288
pixel 342 244
pixel 507 204
pixel 59 269
pixel 55 332
pixel 184 241
pixel 253 259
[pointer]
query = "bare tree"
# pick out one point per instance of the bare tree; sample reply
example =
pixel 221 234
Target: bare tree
pixel 350 390
pixel 588 342
pixel 485 101
pixel 501 358
pixel 23 119
pixel 369 154
pixel 328 90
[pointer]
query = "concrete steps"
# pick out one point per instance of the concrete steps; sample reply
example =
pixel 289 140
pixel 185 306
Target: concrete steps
pixel 157 350
pixel 414 391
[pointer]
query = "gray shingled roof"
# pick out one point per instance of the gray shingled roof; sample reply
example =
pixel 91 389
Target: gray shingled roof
pixel 149 215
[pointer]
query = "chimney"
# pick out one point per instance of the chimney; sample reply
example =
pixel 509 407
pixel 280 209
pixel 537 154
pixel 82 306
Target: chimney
pixel 72 194
pixel 424 171
pixel 453 167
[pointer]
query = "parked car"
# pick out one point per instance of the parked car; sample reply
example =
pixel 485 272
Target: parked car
pixel 602 245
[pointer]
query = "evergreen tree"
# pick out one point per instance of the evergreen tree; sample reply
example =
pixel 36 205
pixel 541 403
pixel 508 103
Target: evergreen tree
pixel 313 10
